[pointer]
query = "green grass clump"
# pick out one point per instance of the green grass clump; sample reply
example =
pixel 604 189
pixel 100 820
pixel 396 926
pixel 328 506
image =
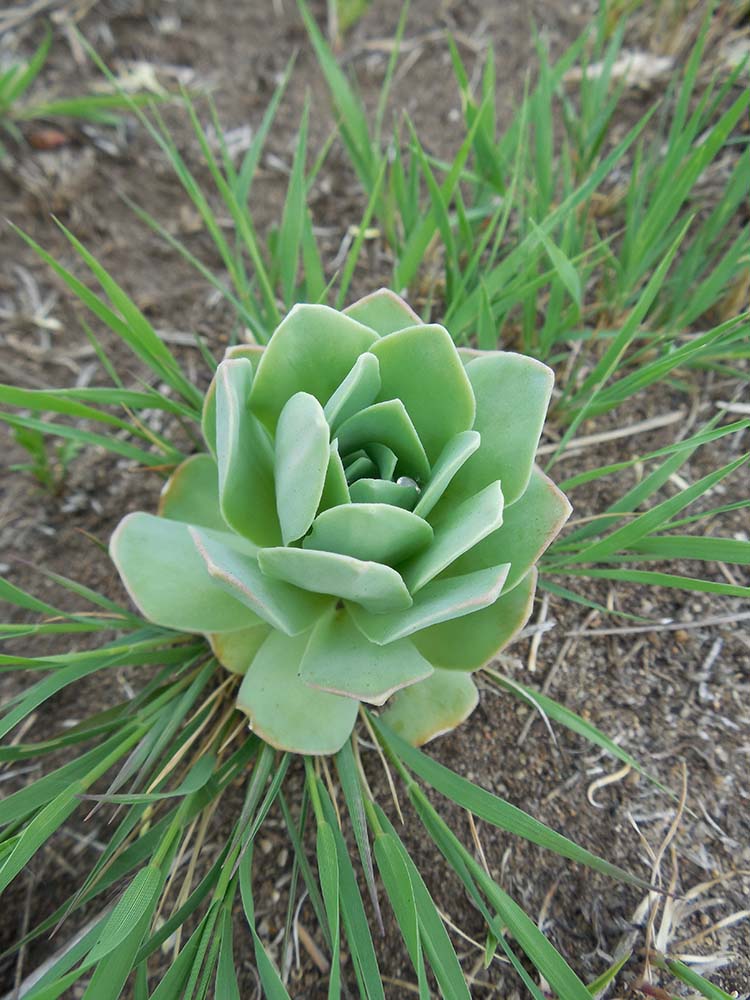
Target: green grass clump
pixel 524 240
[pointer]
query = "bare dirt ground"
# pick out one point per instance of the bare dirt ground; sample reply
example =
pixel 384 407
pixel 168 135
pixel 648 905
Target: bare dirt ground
pixel 677 698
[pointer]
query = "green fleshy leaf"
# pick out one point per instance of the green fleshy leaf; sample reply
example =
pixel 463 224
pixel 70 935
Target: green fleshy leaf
pixel 434 706
pixel 168 580
pixel 281 606
pixel 384 312
pixel 376 587
pixel 384 458
pixel 191 494
pixel 245 458
pixel 458 450
pixel 459 530
pixel 286 712
pixel 236 650
pixel 312 351
pixel 387 423
pixel 512 393
pixel 371 531
pixel 361 467
pixel 470 642
pixel 382 491
pixel 528 527
pixel 420 366
pixel 253 354
pixel 335 488
pixel 341 660
pixel 439 601
pixel 302 454
pixel 358 390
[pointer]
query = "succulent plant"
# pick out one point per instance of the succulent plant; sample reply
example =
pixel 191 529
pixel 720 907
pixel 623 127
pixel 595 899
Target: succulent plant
pixel 364 528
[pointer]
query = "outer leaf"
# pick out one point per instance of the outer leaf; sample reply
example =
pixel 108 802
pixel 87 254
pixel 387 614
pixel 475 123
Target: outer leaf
pixel 302 452
pixel 375 531
pixel 281 606
pixel 323 345
pixel 168 580
pixel 439 601
pixel 358 390
pixel 251 353
pixel 341 660
pixel 469 642
pixel 376 587
pixel 191 494
pixel 384 312
pixel 529 526
pixel 458 530
pixel 245 458
pixel 236 650
pixel 421 367
pixel 434 706
pixel 512 392
pixel 387 423
pixel 286 712
pixel 458 450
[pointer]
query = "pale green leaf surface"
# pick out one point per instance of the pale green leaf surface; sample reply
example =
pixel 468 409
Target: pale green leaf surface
pixel 420 366
pixel 301 458
pixel 432 707
pixel 244 457
pixel 458 530
pixel 384 458
pixel 383 491
pixel 235 650
pixel 358 390
pixel 312 351
pixel 376 587
pixel 456 452
pixel 528 527
pixel 468 643
pixel 283 710
pixel 512 393
pixel 191 494
pixel 341 660
pixel 335 487
pixel 168 580
pixel 273 601
pixel 383 311
pixel 249 352
pixel 439 601
pixel 371 531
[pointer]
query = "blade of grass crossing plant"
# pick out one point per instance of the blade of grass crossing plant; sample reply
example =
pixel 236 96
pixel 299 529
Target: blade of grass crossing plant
pixel 356 927
pixel 650 578
pixel 310 881
pixel 138 900
pixel 691 978
pixel 559 713
pixel 173 983
pixel 562 265
pixel 20 599
pixel 352 789
pixel 595 382
pixel 490 807
pixel 312 265
pixel 328 871
pixel 270 979
pixel 353 119
pixel 544 956
pixel 433 935
pixel 400 892
pixel 673 547
pixel 293 216
pixel 353 255
pixel 141 331
pixel 652 520
pixel 608 976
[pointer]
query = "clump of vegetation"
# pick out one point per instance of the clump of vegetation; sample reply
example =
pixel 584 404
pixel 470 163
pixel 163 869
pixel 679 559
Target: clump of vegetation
pixel 506 245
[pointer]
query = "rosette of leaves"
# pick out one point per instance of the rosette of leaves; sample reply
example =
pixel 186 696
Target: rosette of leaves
pixel 363 528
